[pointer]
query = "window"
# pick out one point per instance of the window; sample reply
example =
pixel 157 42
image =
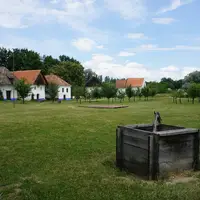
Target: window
pixel 62 89
pixel 66 89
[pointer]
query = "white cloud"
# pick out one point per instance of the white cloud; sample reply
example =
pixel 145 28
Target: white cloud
pixel 154 47
pixel 20 14
pixel 100 47
pixel 174 5
pixel 107 66
pixel 128 9
pixel 136 36
pixel 54 1
pixel 84 44
pixel 163 20
pixel 126 54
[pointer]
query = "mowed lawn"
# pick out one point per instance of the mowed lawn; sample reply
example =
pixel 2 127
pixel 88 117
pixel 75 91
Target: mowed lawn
pixel 62 151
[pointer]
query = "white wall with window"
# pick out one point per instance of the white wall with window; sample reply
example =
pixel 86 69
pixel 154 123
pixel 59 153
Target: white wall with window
pixel 9 93
pixel 37 93
pixel 64 92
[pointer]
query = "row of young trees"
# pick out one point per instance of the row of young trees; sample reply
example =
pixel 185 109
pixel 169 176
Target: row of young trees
pixel 108 90
pixel 192 92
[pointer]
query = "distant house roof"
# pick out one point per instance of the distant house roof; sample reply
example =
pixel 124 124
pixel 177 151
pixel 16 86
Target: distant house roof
pixel 30 76
pixel 120 83
pixel 6 77
pixel 56 80
pixel 134 82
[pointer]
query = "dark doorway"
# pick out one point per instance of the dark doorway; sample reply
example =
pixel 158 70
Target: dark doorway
pixel 38 96
pixel 64 97
pixel 8 95
pixel 32 97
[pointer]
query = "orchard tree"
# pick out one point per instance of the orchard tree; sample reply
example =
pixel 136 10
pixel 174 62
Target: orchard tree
pixel 129 92
pixel 78 92
pixel 52 91
pixel 139 93
pixel 121 95
pixel 22 88
pixel 96 94
pixel 146 92
pixel 109 90
pixel 192 91
pixel 153 92
pixel 180 94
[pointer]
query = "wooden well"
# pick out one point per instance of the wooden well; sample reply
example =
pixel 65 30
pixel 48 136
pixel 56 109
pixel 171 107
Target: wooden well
pixel 152 155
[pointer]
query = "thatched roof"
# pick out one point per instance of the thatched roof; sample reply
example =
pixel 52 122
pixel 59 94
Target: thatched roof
pixel 6 77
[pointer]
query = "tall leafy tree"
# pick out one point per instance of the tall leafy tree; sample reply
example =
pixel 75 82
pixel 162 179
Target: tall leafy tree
pixel 22 88
pixel 25 59
pixel 48 63
pixel 71 72
pixel 193 77
pixel 52 91
pixel 139 93
pixel 129 92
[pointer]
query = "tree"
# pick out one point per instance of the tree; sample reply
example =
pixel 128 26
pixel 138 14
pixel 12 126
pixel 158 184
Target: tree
pixel 192 91
pixel 193 77
pixel 52 91
pixel 48 63
pixel 22 88
pixel 139 93
pixel 71 72
pixel 129 92
pixel 153 92
pixel 109 90
pixel 6 58
pixel 134 94
pixel 107 79
pixel 174 95
pixel 25 59
pixel 78 92
pixel 180 94
pixel 121 95
pixel 146 92
pixel 96 93
pixel 87 94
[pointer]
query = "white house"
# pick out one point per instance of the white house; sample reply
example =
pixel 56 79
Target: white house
pixel 134 82
pixel 37 81
pixel 64 91
pixel 6 84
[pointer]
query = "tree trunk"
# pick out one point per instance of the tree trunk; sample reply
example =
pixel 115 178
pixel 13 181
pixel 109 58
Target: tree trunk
pixel 180 100
pixel 108 101
pixel 199 99
pixel 23 100
pixel 192 100
pixel 147 99
pixel 134 98
pixel 112 100
pixel 173 100
pixel 120 100
pixel 188 99
pixel 129 99
pixel 176 100
pixel 80 100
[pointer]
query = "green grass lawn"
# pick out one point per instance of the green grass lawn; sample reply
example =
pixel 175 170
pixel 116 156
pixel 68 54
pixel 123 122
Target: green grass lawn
pixel 62 151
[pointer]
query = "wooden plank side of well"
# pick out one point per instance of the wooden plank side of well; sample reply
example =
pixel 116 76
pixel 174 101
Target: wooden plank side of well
pixel 176 152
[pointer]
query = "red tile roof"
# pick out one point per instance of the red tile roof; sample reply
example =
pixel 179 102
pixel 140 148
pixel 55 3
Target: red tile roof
pixel 134 82
pixel 29 75
pixel 56 80
pixel 120 83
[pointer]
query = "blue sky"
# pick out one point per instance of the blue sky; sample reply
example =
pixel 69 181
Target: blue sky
pixel 129 38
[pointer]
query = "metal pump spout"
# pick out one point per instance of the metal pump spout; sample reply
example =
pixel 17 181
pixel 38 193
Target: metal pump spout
pixel 157 121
